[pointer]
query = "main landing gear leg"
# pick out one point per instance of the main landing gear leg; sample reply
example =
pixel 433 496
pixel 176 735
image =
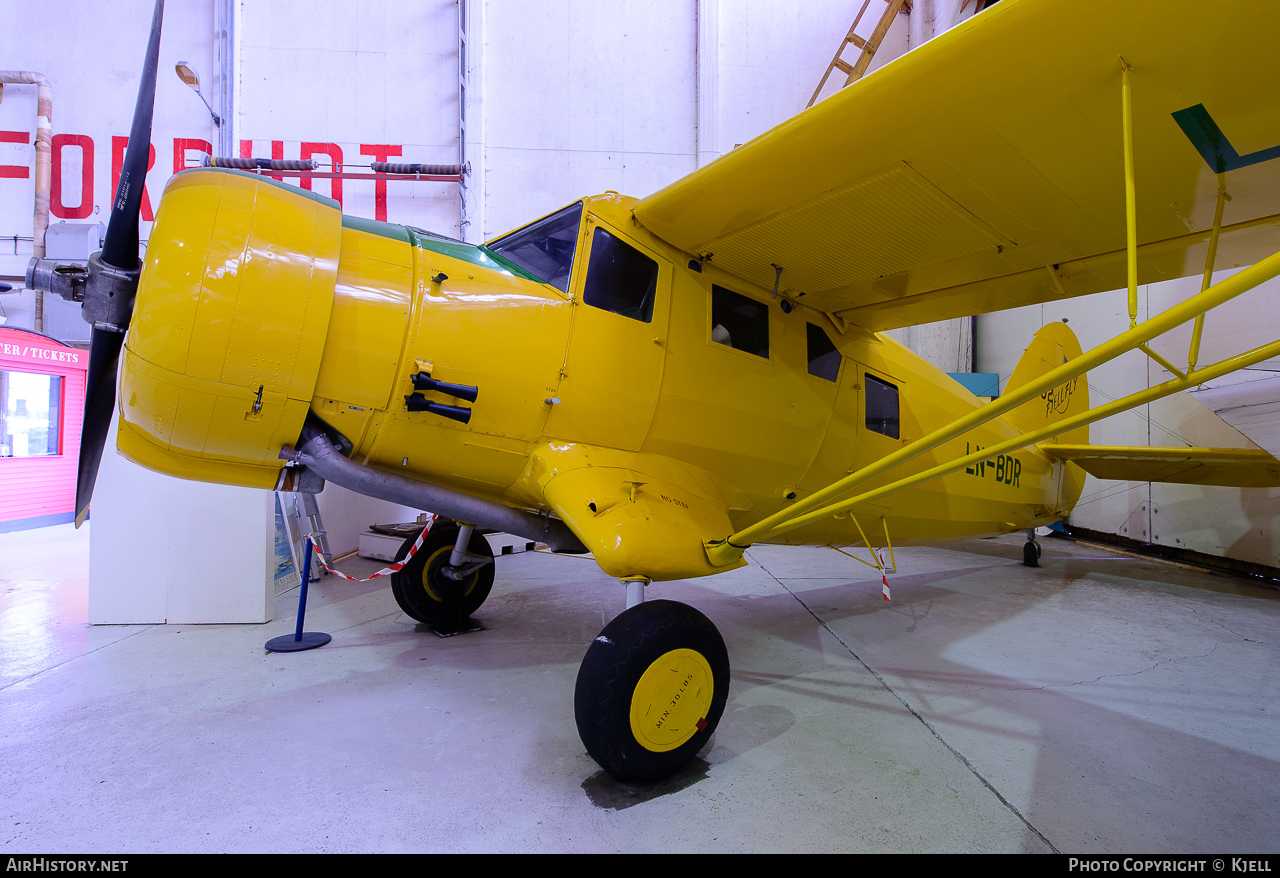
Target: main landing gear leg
pixel 1031 550
pixel 651 688
pixel 635 589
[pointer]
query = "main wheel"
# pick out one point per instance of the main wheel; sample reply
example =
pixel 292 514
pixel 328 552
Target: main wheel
pixel 651 690
pixel 419 587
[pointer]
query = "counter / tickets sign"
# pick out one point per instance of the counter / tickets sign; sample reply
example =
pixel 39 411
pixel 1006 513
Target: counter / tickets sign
pixel 27 348
pixel 41 408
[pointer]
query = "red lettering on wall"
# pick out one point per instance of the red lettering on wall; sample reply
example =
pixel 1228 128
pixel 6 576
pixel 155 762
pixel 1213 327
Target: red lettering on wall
pixel 180 147
pixel 334 152
pixel 21 172
pixel 380 152
pixel 118 145
pixel 56 204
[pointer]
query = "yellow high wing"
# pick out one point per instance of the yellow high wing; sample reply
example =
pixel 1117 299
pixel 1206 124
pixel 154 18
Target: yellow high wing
pixel 985 170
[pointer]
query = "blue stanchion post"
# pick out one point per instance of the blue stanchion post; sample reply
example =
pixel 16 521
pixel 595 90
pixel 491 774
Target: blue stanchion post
pixel 300 641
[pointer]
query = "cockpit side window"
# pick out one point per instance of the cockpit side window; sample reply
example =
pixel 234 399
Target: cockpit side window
pixel 544 249
pixel 882 407
pixel 739 322
pixel 824 359
pixel 620 278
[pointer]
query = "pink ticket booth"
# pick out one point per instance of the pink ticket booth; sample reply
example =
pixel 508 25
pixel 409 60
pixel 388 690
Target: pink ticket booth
pixel 41 407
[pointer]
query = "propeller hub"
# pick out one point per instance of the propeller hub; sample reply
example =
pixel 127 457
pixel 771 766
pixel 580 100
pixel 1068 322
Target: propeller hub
pixel 108 299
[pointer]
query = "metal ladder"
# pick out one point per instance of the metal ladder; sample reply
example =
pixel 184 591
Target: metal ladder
pixel 302 516
pixel 866 46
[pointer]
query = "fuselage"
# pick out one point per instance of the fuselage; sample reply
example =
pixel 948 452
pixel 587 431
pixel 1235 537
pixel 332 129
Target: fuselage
pixel 700 383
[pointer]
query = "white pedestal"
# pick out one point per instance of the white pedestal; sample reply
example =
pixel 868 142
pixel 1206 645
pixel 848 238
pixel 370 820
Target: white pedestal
pixel 168 550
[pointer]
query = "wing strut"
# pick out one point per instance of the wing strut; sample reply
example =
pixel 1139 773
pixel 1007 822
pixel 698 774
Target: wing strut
pixel 1194 353
pixel 819 505
pixel 1151 394
pixel 876 560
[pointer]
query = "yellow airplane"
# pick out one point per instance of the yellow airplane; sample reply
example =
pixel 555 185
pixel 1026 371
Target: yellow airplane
pixel 666 381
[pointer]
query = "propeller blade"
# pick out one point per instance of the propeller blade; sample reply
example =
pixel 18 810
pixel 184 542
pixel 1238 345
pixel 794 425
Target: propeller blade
pixel 99 400
pixel 119 251
pixel 120 247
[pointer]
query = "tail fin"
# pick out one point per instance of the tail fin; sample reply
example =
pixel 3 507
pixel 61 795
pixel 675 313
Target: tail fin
pixel 1052 346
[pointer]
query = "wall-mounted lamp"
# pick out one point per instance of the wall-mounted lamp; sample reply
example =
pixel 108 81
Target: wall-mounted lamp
pixel 188 74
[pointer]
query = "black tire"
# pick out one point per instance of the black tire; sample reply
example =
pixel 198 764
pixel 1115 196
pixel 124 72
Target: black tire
pixel 1030 554
pixel 419 585
pixel 664 636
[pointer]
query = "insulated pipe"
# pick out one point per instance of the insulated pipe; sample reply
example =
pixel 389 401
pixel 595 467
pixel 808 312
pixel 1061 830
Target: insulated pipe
pixel 44 148
pixel 44 165
pixel 251 164
pixel 320 456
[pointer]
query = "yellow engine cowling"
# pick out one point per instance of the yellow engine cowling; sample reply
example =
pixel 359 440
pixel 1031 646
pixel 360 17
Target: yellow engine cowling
pixel 229 326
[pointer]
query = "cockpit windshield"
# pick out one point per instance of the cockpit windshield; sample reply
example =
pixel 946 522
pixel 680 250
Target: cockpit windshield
pixel 544 249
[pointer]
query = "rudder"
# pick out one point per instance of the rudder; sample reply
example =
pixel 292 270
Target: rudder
pixel 1053 345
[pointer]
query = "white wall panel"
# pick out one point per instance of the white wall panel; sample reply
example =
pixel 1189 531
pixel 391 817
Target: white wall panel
pixel 169 550
pixel 92 54
pixel 357 74
pixel 583 97
pixel 772 56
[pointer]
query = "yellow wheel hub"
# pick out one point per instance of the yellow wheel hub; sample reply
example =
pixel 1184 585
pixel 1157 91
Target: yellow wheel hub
pixel 670 703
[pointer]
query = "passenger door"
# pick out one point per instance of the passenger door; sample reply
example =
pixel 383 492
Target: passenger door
pixel 617 343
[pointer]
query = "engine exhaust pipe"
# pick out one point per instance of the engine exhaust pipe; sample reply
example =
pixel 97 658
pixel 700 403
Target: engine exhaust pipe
pixel 318 454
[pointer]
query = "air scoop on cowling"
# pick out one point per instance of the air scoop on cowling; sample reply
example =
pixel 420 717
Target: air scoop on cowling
pixel 424 381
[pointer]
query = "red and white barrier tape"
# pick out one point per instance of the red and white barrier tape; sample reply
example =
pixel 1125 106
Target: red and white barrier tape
pixel 318 556
pixel 884 577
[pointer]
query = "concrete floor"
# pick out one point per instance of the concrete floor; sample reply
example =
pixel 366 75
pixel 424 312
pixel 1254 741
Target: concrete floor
pixel 1099 704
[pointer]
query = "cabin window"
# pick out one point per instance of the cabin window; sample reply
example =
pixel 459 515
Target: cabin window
pixel 882 407
pixel 824 359
pixel 620 278
pixel 29 409
pixel 544 249
pixel 739 322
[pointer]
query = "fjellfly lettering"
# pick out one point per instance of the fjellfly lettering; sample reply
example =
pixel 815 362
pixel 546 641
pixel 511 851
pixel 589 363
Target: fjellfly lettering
pixel 1057 400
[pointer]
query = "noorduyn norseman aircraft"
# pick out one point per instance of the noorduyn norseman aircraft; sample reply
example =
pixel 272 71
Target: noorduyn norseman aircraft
pixel 665 381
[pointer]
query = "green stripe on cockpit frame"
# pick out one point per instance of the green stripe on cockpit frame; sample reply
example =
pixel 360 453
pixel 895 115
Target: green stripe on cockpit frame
pixel 460 250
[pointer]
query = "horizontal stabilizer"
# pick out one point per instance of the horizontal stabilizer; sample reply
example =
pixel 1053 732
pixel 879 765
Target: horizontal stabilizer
pixel 1231 467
